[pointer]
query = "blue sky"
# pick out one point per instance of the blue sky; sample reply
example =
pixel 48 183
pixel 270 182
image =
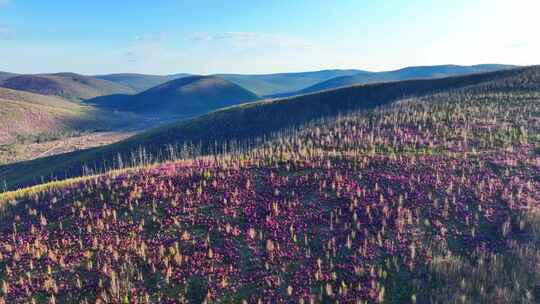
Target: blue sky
pixel 256 36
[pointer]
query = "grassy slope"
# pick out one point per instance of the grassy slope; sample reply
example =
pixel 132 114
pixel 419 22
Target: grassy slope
pixel 272 84
pixel 37 99
pixel 139 82
pixel 260 118
pixel 402 74
pixel 67 85
pixel 26 114
pixel 26 118
pixel 189 96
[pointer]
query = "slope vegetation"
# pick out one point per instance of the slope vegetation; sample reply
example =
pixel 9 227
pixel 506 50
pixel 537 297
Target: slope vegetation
pixel 24 114
pixel 231 128
pixel 33 125
pixel 183 97
pixel 66 85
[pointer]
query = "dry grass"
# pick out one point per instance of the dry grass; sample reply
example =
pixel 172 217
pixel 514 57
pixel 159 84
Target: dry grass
pixel 510 277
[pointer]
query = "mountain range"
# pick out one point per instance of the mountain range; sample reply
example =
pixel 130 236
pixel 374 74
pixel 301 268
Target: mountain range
pixel 271 84
pixel 402 74
pixel 80 87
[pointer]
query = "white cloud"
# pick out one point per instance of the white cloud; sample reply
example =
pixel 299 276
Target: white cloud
pixel 4 2
pixel 251 39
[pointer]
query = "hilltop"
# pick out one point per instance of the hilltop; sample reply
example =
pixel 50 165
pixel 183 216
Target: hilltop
pixel 6 75
pixel 66 85
pixel 184 97
pixel 244 125
pixel 420 72
pixel 139 82
pixel 262 85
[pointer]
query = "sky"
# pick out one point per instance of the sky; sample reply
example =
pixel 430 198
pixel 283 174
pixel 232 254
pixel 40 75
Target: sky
pixel 262 36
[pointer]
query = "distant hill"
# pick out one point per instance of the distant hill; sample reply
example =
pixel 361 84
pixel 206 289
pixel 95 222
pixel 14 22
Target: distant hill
pixel 271 84
pixel 419 72
pixel 268 85
pixel 6 75
pixel 25 115
pixel 244 123
pixel 139 82
pixel 66 85
pixel 186 96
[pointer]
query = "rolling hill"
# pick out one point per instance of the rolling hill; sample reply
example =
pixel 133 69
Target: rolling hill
pixel 403 74
pixel 184 97
pixel 66 85
pixel 262 85
pixel 241 124
pixel 24 115
pixel 139 82
pixel 272 84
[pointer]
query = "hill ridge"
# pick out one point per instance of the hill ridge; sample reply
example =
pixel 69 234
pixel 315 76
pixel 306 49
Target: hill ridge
pixel 67 85
pixel 406 73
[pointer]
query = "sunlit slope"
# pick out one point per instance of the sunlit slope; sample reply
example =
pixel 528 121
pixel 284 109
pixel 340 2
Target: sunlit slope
pixel 66 85
pixel 24 114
